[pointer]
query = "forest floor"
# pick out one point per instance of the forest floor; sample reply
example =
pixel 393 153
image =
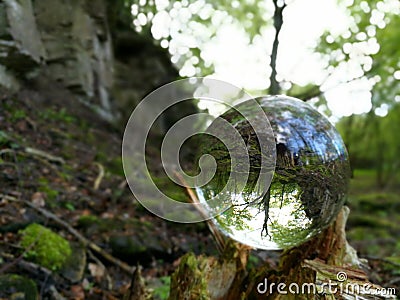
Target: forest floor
pixel 61 167
pixel 373 227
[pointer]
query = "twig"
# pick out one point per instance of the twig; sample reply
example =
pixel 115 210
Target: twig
pixel 5 267
pixel 80 237
pixel 98 261
pixel 15 164
pixel 99 177
pixel 7 150
pixel 49 157
pixel 219 239
pixel 44 161
pixel 31 122
pixel 31 267
pixel 394 280
pixel 381 260
pixel 38 272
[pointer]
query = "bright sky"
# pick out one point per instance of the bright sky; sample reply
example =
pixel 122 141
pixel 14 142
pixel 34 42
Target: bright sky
pixel 304 21
pixel 247 66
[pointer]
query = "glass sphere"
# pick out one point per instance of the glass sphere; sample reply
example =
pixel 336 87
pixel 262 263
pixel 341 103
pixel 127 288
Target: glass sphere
pixel 296 200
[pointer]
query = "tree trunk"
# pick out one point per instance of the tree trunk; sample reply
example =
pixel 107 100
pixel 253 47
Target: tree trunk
pixel 278 22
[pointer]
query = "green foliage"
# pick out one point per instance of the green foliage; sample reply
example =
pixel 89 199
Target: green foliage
pixel 87 221
pixel 162 292
pixel 18 115
pixel 4 138
pixel 374 216
pixel 46 188
pixel 68 205
pixel 7 141
pixel 45 247
pixel 371 143
pixel 58 115
pixel 393 268
pixel 201 20
pixel 371 42
pixel 113 164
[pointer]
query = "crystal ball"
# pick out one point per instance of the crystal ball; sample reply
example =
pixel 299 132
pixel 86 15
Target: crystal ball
pixel 299 197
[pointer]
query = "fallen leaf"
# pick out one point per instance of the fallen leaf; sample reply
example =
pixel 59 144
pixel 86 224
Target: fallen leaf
pixel 77 292
pixel 86 212
pixel 96 271
pixel 107 215
pixel 38 199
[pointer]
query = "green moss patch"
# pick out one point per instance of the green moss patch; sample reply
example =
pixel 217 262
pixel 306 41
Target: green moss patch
pixel 45 247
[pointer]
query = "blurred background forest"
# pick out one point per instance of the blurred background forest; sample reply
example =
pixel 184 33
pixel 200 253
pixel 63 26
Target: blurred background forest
pixel 72 72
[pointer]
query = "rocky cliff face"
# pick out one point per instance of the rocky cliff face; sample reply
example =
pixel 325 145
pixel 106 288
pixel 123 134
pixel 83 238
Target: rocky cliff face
pixel 58 44
pixel 66 41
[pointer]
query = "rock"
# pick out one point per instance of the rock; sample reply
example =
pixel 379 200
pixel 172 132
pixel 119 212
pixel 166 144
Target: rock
pixel 3 21
pixel 8 80
pixel 128 248
pixel 68 45
pixel 142 246
pixel 67 41
pixel 21 47
pixel 74 267
pixel 14 286
pixel 79 49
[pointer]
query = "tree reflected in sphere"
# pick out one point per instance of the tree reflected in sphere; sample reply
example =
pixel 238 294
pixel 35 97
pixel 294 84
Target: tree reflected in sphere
pixel 309 183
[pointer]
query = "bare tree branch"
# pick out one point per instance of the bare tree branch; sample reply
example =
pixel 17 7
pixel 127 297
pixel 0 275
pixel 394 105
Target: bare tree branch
pixel 278 22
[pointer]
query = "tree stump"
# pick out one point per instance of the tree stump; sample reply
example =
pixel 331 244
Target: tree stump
pixel 326 267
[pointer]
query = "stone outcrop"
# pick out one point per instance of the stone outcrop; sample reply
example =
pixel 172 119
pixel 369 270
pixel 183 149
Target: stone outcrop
pixel 85 48
pixel 65 41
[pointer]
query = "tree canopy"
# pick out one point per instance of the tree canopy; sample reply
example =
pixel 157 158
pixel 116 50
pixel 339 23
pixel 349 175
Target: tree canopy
pixel 368 46
pixel 363 56
pixel 371 44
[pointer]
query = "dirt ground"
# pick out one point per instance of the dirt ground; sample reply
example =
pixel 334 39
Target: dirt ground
pixel 60 166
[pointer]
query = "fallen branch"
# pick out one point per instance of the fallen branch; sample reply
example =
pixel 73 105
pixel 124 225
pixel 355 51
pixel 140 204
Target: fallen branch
pixel 80 237
pixel 38 272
